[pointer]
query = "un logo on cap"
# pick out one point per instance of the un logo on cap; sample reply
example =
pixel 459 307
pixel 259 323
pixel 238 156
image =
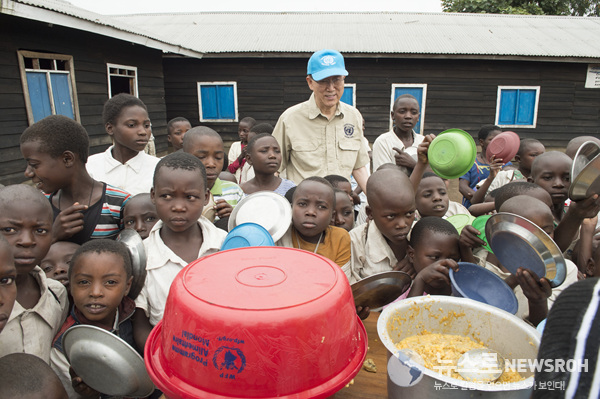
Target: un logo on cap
pixel 328 60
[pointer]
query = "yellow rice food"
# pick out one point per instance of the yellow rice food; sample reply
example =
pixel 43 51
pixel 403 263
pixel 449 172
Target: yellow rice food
pixel 442 351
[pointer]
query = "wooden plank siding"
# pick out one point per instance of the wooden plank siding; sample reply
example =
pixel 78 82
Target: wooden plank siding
pixel 460 93
pixel 90 53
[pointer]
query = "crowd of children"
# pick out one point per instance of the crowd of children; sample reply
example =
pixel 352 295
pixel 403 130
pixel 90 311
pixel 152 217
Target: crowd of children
pixel 60 265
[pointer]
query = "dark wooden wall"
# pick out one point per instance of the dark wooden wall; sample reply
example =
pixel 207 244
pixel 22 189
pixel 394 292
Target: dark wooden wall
pixel 460 93
pixel 90 53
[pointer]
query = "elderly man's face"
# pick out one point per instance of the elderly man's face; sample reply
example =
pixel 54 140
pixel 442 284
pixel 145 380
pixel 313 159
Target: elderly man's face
pixel 328 91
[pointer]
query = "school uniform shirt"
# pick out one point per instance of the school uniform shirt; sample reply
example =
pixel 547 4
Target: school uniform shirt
pixel 335 245
pixel 122 327
pixel 32 330
pixel 163 264
pixel 135 176
pixel 313 145
pixel 371 253
pixel 383 148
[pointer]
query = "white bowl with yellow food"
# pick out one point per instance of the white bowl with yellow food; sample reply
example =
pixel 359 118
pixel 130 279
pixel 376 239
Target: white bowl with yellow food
pixel 441 329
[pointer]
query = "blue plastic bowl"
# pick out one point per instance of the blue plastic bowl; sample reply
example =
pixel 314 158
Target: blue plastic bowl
pixel 247 235
pixel 477 283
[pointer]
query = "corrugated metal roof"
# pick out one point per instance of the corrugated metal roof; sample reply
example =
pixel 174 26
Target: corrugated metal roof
pixel 63 13
pixel 378 32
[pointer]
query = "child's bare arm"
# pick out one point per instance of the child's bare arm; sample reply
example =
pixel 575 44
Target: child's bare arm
pixel 422 161
pixel 567 228
pixel 141 328
pixel 464 189
pixel 537 292
pixel 479 195
pixel 586 242
pixel 435 275
pixel 469 240
pixel 482 208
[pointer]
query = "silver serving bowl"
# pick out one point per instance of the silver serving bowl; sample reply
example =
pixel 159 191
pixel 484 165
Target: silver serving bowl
pixel 106 363
pixel 517 242
pixel 265 208
pixel 585 172
pixel 380 289
pixel 135 246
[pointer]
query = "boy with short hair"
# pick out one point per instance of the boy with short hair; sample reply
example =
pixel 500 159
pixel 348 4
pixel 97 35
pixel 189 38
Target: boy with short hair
pixel 181 236
pixel 399 146
pixel 41 305
pixel 381 245
pixel 140 215
pixel 8 285
pixel 432 252
pixel 56 262
pixel 56 151
pixel 26 376
pixel 100 277
pixel 176 129
pixel 237 153
pixel 312 210
pixel 206 145
pixel 432 198
pixel 344 211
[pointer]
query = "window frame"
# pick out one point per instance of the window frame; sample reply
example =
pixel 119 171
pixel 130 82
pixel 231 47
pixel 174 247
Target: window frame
pixel 220 83
pixel 422 86
pixel 126 67
pixel 535 111
pixel 353 85
pixel 68 59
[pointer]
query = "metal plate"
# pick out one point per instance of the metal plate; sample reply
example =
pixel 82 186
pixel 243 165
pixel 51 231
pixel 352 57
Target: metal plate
pixel 105 362
pixel 517 242
pixel 380 289
pixel 585 172
pixel 135 246
pixel 265 208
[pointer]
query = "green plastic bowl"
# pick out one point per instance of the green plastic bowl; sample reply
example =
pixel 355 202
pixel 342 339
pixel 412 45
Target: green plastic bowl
pixel 479 224
pixel 452 153
pixel 460 220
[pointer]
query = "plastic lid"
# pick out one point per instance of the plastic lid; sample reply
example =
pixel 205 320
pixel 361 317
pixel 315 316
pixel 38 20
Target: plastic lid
pixel 460 220
pixel 269 282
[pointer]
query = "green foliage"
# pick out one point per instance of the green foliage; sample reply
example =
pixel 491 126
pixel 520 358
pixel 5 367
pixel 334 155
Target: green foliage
pixel 526 7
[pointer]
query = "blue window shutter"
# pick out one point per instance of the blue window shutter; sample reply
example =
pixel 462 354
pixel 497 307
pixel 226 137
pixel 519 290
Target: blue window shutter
pixel 348 95
pixel 417 92
pixel 508 107
pixel 226 102
pixel 38 95
pixel 209 102
pixel 526 107
pixel 63 104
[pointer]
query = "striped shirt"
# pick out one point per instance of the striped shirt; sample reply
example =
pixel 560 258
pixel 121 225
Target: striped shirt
pixel 110 221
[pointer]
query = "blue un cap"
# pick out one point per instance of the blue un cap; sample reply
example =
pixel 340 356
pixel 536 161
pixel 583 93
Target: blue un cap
pixel 326 63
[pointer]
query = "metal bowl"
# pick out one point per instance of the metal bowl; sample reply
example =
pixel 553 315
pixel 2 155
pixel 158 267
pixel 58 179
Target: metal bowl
pixel 585 172
pixel 135 246
pixel 517 242
pixel 380 289
pixel 265 208
pixel 106 363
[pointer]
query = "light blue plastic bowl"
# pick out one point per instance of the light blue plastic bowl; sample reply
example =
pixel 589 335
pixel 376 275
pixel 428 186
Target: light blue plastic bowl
pixel 248 235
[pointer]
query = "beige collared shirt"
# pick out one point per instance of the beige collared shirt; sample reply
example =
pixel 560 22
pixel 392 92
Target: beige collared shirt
pixel 134 176
pixel 371 254
pixel 32 330
pixel 312 145
pixel 163 265
pixel 383 148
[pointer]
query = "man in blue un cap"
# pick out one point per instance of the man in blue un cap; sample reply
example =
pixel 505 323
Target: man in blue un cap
pixel 323 136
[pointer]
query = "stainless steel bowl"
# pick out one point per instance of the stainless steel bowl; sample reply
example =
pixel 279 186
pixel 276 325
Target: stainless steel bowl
pixel 135 246
pixel 105 362
pixel 585 172
pixel 517 242
pixel 380 289
pixel 500 331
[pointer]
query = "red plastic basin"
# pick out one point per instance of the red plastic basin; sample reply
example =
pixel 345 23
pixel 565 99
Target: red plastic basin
pixel 260 322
